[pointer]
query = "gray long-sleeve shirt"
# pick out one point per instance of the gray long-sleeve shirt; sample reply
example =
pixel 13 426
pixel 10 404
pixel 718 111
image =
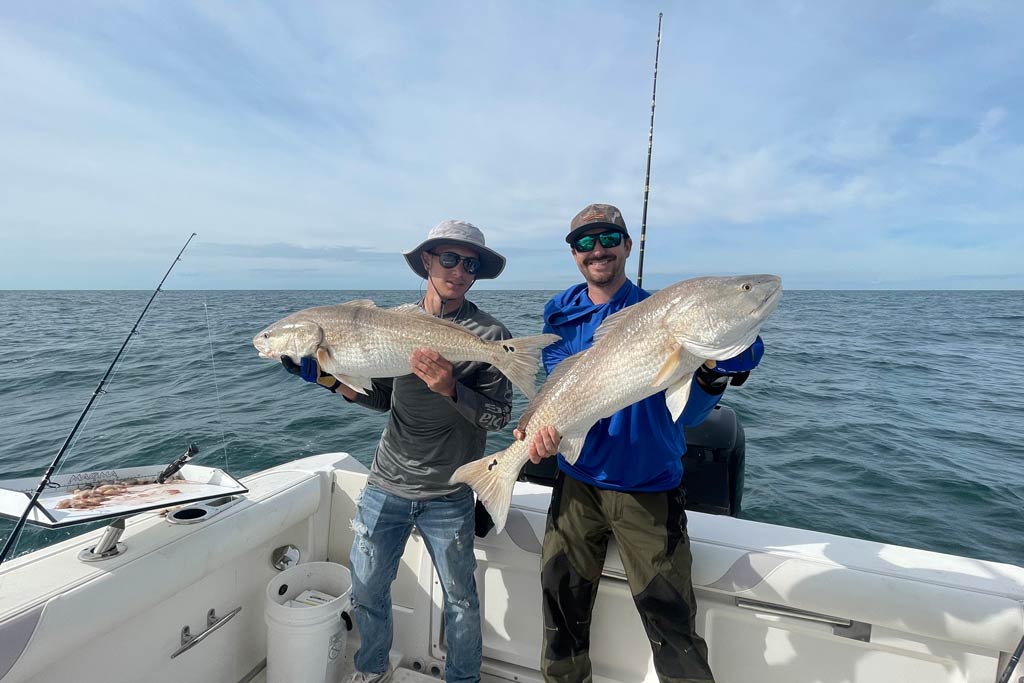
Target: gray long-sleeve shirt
pixel 428 436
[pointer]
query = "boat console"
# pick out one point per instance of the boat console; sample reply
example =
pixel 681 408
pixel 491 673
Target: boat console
pixel 713 465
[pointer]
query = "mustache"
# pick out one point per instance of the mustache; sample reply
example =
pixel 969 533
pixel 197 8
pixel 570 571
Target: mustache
pixel 594 259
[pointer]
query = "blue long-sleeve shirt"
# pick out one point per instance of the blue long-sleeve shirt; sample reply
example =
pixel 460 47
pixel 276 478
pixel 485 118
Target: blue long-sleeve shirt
pixel 638 448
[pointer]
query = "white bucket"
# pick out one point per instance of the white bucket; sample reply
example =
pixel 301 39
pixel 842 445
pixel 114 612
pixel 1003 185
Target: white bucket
pixel 307 644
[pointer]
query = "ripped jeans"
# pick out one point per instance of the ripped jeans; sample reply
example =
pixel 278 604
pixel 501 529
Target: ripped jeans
pixel 382 524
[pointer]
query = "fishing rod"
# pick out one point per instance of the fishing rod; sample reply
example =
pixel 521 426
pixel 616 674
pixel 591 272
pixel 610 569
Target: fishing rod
pixel 650 148
pixel 1005 678
pixel 45 481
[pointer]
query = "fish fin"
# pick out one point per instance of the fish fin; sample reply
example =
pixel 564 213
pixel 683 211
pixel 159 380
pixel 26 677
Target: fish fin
pixel 677 396
pixel 610 323
pixel 356 384
pixel 360 303
pixel 571 447
pixel 414 309
pixel 669 368
pixel 323 358
pixel 721 353
pixel 492 485
pixel 409 308
pixel 518 359
pixel 326 363
pixel 556 374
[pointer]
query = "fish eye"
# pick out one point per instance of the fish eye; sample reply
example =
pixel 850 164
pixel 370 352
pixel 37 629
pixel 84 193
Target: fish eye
pixel 747 287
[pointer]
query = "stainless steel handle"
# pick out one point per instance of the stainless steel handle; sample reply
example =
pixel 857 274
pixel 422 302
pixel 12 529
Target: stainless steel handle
pixel 188 641
pixel 769 608
pixel 844 628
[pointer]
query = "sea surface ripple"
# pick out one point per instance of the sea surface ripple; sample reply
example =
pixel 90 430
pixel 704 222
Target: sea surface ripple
pixel 893 416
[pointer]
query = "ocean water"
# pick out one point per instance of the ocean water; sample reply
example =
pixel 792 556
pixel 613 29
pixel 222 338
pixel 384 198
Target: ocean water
pixel 891 416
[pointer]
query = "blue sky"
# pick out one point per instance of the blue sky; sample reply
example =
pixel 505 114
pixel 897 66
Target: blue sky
pixel 839 145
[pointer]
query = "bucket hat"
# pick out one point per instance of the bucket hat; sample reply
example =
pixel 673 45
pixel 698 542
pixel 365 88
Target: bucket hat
pixel 461 233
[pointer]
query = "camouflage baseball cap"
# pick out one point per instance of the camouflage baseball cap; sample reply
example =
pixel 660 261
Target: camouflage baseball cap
pixel 596 216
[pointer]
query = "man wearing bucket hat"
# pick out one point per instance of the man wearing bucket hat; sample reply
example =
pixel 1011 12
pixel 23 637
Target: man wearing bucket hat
pixel 439 419
pixel 626 481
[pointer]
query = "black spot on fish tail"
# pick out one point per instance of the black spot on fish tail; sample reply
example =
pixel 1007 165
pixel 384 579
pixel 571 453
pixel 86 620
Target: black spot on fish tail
pixel 494 463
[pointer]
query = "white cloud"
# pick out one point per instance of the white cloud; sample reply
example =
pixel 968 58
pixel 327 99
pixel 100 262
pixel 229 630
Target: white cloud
pixel 805 134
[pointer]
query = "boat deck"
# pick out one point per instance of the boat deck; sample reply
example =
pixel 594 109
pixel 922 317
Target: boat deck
pixel 402 675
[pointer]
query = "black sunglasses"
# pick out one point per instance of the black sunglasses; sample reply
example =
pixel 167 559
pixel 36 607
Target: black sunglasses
pixel 449 259
pixel 608 240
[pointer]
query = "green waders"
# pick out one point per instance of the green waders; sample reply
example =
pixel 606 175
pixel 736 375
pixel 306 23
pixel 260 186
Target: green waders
pixel 650 529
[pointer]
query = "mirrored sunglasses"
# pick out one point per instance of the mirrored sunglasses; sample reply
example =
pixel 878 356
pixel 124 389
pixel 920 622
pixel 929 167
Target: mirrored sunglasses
pixel 608 240
pixel 449 259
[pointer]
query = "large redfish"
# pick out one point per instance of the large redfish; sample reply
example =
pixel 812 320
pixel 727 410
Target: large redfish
pixel 655 345
pixel 356 341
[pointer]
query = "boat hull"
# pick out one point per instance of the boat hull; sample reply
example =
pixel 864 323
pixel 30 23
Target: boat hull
pixel 776 605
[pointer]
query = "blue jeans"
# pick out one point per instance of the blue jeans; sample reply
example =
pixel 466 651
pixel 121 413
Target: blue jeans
pixel 382 526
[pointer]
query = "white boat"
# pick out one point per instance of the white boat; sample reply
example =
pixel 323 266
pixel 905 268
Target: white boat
pixel 776 604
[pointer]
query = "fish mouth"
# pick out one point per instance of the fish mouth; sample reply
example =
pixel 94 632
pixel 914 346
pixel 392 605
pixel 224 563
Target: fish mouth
pixel 262 347
pixel 268 354
pixel 769 302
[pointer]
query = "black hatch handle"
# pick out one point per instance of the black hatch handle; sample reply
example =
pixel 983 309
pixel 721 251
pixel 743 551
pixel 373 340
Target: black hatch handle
pixel 178 463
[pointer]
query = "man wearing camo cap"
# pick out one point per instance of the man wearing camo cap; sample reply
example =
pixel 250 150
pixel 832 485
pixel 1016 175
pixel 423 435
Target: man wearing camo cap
pixel 625 483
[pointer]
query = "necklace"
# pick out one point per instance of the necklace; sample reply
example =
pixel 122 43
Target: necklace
pixel 458 312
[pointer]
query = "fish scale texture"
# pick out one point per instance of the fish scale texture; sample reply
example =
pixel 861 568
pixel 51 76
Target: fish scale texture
pixel 619 372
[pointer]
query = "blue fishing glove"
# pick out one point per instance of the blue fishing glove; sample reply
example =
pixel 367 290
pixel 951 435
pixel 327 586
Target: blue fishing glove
pixel 308 369
pixel 742 363
pixel 733 370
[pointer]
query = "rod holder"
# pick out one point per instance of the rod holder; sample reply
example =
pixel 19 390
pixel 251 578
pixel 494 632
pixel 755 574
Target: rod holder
pixel 108 546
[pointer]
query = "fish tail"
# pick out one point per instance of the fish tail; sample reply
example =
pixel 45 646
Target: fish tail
pixel 518 359
pixel 491 482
